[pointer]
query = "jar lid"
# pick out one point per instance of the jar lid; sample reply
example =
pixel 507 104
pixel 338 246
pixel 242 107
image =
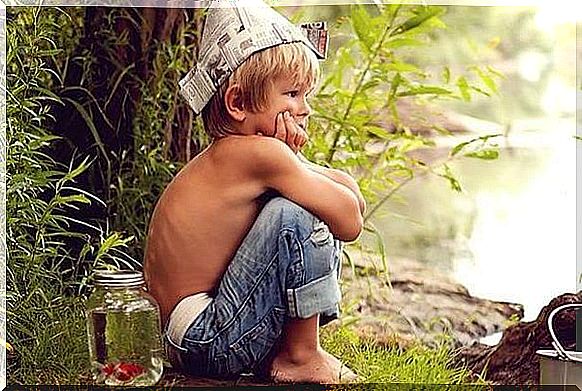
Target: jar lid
pixel 119 278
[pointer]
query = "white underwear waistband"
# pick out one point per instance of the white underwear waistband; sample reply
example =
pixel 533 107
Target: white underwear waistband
pixel 184 313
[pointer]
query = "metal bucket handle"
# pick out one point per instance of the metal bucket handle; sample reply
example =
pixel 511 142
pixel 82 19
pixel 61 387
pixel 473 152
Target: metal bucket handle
pixel 555 343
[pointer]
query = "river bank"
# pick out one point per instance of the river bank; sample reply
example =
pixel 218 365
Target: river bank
pixel 416 301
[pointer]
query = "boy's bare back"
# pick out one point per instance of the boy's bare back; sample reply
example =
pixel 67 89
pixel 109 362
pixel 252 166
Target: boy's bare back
pixel 200 221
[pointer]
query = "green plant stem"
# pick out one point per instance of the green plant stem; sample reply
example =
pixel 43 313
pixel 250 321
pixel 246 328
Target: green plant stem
pixel 386 198
pixel 371 59
pixel 427 170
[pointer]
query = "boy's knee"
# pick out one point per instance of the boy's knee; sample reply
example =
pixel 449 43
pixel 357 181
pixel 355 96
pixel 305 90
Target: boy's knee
pixel 289 213
pixel 278 204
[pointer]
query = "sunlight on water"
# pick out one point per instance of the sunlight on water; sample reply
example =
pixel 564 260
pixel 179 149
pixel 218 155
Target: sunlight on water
pixel 511 235
pixel 524 244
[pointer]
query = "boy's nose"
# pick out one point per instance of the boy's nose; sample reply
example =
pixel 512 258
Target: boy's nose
pixel 305 109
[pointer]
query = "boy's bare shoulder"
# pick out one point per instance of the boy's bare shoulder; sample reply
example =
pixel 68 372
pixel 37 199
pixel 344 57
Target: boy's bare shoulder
pixel 253 151
pixel 253 143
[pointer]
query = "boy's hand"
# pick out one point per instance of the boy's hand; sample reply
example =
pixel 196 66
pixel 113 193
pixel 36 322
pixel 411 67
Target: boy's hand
pixel 287 130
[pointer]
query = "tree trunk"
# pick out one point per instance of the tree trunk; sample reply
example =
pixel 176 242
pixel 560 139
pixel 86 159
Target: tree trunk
pixel 514 359
pixel 112 61
pixel 143 28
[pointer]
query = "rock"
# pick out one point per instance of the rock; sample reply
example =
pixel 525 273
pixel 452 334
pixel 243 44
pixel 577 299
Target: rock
pixel 419 302
pixel 514 360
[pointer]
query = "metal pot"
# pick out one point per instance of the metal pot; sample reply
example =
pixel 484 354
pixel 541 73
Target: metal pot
pixel 559 366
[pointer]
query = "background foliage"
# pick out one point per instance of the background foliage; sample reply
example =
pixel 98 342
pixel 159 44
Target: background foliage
pixel 92 125
pixel 358 124
pixel 46 250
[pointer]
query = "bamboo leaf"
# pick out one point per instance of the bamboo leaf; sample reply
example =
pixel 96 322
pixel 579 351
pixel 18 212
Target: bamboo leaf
pixel 486 79
pixel 417 20
pixel 400 67
pixel 425 89
pixel 441 130
pixel 453 182
pixel 483 139
pixel 360 19
pixel 85 193
pixel 464 88
pixel 48 94
pixel 372 84
pixel 457 148
pixel 488 136
pixel 378 131
pixel 485 154
pixel 479 90
pixel 396 81
pixel 77 171
pixel 63 200
pixel 495 72
pixel 112 241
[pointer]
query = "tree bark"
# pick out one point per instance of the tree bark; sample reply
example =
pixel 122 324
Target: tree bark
pixel 112 61
pixel 154 25
pixel 514 359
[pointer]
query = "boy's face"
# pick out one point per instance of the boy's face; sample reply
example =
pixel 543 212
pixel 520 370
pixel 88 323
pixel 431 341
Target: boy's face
pixel 283 96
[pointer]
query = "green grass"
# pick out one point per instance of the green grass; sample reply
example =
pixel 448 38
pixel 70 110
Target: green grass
pixel 59 356
pixel 56 352
pixel 380 364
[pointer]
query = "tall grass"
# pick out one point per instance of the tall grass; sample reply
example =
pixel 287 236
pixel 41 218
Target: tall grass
pixel 145 171
pixel 50 252
pixel 53 246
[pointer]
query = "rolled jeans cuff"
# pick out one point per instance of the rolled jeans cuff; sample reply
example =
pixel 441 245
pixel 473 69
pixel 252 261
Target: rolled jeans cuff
pixel 318 296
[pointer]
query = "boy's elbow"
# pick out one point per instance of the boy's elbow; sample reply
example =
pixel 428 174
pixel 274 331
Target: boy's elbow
pixel 354 232
pixel 353 229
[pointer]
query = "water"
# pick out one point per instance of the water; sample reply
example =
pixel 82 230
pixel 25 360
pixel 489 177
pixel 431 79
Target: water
pixel 126 347
pixel 511 235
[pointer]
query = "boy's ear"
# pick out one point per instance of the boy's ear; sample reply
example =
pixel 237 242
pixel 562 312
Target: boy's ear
pixel 234 103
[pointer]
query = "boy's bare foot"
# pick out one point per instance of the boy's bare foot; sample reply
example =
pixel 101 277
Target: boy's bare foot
pixel 317 367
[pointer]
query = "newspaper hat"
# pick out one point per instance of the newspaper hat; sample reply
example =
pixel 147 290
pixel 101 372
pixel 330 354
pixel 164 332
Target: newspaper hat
pixel 233 31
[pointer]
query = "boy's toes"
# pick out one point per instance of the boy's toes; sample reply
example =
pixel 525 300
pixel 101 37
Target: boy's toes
pixel 348 376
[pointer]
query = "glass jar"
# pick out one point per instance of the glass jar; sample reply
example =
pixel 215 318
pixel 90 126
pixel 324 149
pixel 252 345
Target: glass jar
pixel 123 325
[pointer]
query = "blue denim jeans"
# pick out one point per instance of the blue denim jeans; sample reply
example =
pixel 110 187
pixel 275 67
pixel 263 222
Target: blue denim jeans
pixel 287 267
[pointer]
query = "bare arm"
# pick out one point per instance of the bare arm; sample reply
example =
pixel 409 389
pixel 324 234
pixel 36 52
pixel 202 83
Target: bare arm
pixel 339 177
pixel 277 167
pixel 295 137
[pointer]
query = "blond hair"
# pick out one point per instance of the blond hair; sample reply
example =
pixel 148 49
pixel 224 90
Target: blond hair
pixel 255 76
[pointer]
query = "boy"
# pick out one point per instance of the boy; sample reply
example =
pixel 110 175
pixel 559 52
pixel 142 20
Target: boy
pixel 239 255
